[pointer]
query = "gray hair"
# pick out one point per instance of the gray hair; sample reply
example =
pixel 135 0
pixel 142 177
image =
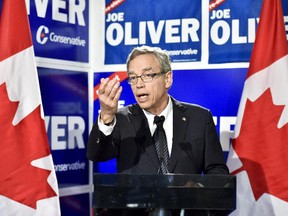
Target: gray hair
pixel 161 55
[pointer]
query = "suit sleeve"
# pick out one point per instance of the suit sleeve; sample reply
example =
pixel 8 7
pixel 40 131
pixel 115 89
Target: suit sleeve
pixel 214 157
pixel 100 147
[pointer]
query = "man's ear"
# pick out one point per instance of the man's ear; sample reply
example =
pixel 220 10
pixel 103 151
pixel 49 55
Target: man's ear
pixel 168 79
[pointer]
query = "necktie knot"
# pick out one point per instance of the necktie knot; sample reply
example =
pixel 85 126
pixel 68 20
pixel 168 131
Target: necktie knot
pixel 159 120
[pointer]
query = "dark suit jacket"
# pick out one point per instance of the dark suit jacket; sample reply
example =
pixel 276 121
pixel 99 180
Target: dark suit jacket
pixel 196 148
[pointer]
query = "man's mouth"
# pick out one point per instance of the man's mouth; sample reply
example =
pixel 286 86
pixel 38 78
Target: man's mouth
pixel 142 97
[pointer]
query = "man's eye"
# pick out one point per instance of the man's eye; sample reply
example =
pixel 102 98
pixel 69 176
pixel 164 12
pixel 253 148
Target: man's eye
pixel 149 75
pixel 133 78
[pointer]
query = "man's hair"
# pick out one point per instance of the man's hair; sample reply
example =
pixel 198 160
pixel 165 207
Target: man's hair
pixel 161 55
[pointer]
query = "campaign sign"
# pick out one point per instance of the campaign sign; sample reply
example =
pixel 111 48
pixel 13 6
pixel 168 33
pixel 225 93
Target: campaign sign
pixel 60 29
pixel 233 26
pixel 173 25
pixel 232 31
pixel 65 102
pixel 219 90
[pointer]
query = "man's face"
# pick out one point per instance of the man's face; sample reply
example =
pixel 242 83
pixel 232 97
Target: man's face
pixel 151 96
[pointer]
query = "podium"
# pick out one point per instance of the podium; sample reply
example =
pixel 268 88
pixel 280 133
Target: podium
pixel 215 193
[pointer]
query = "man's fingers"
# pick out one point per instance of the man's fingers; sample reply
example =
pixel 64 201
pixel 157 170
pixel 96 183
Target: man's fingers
pixel 114 89
pixel 108 87
pixel 118 93
pixel 103 85
pixel 109 93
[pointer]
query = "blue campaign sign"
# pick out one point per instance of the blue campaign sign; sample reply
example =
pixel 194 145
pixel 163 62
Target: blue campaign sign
pixel 219 90
pixel 65 102
pixel 232 31
pixel 172 25
pixel 60 29
pixel 178 28
pixel 233 26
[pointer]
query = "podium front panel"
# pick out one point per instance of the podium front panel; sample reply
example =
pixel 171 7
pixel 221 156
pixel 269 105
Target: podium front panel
pixel 171 191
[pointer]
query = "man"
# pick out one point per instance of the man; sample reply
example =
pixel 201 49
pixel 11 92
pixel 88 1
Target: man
pixel 127 134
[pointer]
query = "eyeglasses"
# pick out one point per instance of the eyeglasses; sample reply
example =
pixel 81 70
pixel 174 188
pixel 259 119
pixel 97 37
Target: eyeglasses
pixel 133 79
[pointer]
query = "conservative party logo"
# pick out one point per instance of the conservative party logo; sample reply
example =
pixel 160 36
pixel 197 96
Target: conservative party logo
pixel 43 35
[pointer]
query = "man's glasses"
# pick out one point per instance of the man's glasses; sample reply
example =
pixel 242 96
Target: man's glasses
pixel 133 79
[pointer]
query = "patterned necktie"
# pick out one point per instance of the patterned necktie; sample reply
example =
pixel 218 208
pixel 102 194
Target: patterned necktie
pixel 160 142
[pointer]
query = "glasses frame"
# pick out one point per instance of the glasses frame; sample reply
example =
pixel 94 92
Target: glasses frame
pixel 151 77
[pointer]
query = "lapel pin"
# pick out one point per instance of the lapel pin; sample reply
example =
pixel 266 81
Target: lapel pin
pixel 183 118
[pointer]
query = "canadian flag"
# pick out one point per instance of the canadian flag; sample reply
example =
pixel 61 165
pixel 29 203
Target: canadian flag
pixel 28 184
pixel 259 150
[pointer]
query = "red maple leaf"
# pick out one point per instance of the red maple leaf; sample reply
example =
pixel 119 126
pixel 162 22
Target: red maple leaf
pixel 20 145
pixel 263 148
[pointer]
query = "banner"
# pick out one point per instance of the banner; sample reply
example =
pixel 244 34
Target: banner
pixel 65 98
pixel 172 25
pixel 60 29
pixel 28 185
pixel 220 31
pixel 232 30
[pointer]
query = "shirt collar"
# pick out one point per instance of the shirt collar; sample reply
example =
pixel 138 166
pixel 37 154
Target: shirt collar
pixel 166 112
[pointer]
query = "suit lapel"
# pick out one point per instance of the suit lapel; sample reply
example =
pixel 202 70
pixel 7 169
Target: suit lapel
pixel 180 122
pixel 140 124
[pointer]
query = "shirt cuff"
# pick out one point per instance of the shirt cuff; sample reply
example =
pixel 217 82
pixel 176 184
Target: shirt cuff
pixel 107 130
